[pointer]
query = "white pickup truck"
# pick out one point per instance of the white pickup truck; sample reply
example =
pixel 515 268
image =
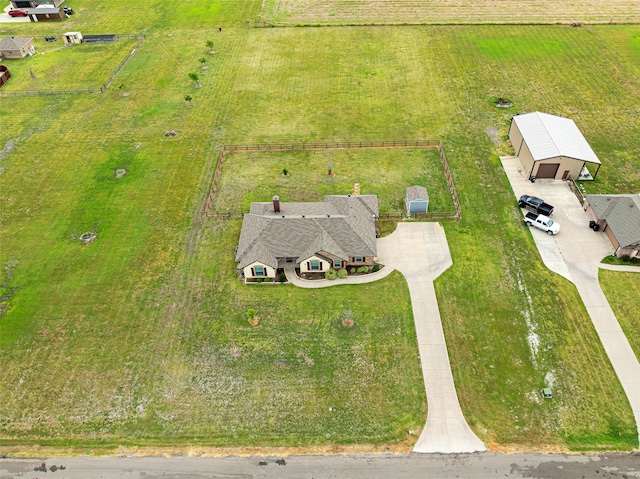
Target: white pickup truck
pixel 542 222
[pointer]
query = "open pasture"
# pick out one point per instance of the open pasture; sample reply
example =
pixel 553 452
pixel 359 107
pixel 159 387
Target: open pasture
pixel 141 337
pixel 358 12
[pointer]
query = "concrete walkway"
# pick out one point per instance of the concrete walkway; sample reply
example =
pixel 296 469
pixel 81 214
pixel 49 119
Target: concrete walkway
pixel 421 253
pixel 581 251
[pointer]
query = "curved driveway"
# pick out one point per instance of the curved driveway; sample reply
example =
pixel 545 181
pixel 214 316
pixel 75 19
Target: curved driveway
pixel 575 253
pixel 421 253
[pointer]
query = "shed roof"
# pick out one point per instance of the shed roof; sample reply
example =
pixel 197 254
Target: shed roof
pixel 417 192
pixel 622 214
pixel 549 136
pixel 341 225
pixel 44 9
pixel 14 43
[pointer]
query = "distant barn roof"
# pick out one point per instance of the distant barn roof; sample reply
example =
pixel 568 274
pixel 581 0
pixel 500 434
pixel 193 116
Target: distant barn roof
pixel 550 136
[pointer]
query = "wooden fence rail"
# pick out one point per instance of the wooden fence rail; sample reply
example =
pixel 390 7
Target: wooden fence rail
pixel 389 216
pixel 334 145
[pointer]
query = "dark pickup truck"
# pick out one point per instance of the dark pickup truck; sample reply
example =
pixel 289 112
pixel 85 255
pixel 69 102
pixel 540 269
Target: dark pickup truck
pixel 535 204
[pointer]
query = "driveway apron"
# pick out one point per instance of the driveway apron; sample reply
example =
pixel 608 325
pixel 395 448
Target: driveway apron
pixel 581 251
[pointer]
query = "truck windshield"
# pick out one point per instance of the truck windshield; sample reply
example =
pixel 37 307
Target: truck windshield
pixel 550 223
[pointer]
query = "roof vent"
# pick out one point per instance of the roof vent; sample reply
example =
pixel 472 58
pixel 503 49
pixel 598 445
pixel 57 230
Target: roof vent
pixel 328 216
pixel 303 216
pixel 283 216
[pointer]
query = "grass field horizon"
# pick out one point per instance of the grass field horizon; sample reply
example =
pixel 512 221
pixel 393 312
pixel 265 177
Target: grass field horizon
pixel 141 338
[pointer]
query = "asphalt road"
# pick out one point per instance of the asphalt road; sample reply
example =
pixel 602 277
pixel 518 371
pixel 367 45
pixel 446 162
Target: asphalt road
pixel 463 466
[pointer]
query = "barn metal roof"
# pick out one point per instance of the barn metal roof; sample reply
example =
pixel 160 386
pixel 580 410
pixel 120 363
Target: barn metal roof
pixel 549 136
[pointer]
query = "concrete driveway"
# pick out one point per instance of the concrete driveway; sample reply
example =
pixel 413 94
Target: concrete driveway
pixel 575 253
pixel 421 253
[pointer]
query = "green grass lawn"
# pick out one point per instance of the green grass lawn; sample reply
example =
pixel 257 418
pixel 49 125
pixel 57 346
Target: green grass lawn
pixel 622 291
pixel 141 338
pixel 77 68
pixel 258 176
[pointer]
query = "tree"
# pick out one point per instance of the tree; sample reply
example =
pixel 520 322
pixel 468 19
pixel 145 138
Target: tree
pixel 194 76
pixel 209 44
pixel 188 99
pixel 203 60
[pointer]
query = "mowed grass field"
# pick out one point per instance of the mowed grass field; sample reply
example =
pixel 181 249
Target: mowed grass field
pixel 59 69
pixel 141 338
pixel 258 176
pixel 622 291
pixel 349 12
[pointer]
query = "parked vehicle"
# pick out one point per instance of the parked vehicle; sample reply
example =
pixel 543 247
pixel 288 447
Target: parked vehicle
pixel 67 10
pixel 542 222
pixel 535 204
pixel 18 12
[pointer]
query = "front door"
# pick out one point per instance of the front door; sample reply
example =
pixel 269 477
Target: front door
pixel 565 175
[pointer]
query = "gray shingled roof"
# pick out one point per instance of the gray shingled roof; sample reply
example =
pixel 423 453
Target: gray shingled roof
pixel 14 43
pixel 549 136
pixel 622 214
pixel 417 192
pixel 342 225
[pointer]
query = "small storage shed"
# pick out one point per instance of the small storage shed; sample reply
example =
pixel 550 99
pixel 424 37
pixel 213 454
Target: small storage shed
pixel 16 47
pixel 46 13
pixel 72 38
pixel 550 146
pixel 416 199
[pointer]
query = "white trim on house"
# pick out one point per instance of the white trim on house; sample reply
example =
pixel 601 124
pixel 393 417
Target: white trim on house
pixel 307 265
pixel 252 270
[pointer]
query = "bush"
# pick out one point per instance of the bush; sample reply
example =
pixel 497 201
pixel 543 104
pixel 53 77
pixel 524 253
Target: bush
pixel 282 277
pixel 251 313
pixel 376 267
pixel 331 274
pixel 363 269
pixel 342 273
pixel 352 271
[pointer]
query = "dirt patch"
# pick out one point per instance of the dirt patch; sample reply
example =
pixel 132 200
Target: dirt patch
pixel 348 322
pixel 503 103
pixel 120 172
pixel 254 321
pixel 493 135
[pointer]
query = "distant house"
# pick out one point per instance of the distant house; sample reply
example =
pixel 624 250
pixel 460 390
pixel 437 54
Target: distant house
pixel 16 47
pixel 34 3
pixel 416 199
pixel 312 236
pixel 619 217
pixel 550 146
pixel 46 13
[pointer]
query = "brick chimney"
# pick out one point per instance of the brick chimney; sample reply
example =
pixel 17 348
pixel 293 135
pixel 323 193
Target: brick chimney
pixel 276 204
